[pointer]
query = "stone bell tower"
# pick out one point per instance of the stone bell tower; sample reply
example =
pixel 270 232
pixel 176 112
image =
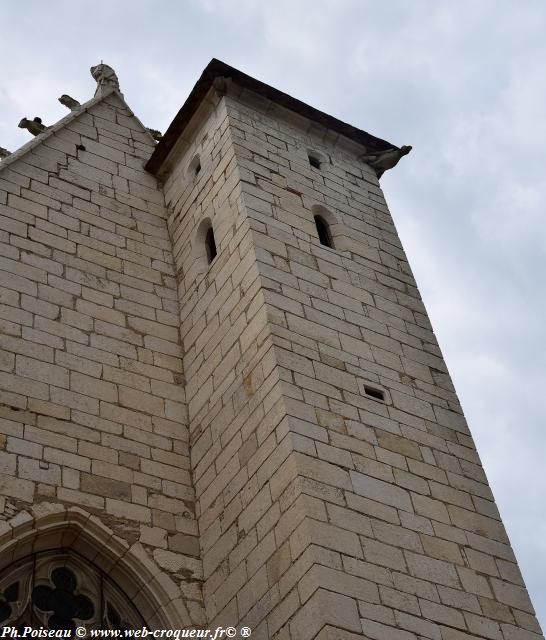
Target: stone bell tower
pixel 338 490
pixel 222 396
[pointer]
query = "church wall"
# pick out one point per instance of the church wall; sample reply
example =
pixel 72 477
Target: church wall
pixel 92 408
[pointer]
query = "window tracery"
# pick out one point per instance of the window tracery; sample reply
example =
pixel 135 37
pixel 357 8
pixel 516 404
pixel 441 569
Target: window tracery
pixel 61 590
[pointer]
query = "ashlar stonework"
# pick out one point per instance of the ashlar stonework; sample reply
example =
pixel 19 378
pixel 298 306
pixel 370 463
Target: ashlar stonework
pixel 227 420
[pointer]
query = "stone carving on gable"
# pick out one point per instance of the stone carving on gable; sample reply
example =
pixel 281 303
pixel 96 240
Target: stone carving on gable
pixel 4 153
pixel 34 126
pixel 105 78
pixel 69 102
pixel 384 160
pixel 156 135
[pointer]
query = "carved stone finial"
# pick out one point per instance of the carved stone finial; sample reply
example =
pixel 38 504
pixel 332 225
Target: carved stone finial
pixel 156 135
pixel 384 160
pixel 105 78
pixel 34 126
pixel 69 102
pixel 4 153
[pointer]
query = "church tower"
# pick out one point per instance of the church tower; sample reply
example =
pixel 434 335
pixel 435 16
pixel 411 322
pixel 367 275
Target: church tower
pixel 222 402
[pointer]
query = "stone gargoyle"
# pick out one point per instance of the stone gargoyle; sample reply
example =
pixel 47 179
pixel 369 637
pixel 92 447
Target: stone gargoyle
pixel 383 160
pixel 156 135
pixel 69 102
pixel 34 126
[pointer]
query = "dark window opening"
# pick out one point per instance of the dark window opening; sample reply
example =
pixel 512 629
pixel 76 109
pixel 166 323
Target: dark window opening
pixel 374 393
pixel 195 166
pixel 210 244
pixel 314 161
pixel 323 231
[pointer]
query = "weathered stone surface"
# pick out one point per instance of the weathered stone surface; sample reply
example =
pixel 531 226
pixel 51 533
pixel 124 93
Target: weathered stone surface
pixel 264 421
pixel 68 292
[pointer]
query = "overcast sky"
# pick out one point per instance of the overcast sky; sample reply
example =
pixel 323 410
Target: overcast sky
pixel 464 82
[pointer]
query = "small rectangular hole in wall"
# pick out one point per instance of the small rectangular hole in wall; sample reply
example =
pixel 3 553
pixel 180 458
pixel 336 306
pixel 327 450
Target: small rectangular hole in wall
pixel 377 394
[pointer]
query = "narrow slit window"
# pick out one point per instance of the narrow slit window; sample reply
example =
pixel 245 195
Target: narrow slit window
pixel 195 166
pixel 323 231
pixel 377 394
pixel 314 161
pixel 210 245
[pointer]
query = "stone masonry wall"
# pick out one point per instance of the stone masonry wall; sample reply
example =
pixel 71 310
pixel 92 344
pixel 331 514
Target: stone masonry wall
pixel 222 419
pixel 92 402
pixel 384 525
pixel 233 391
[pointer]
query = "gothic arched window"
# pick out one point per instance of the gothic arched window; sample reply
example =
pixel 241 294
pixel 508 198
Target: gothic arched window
pixel 61 590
